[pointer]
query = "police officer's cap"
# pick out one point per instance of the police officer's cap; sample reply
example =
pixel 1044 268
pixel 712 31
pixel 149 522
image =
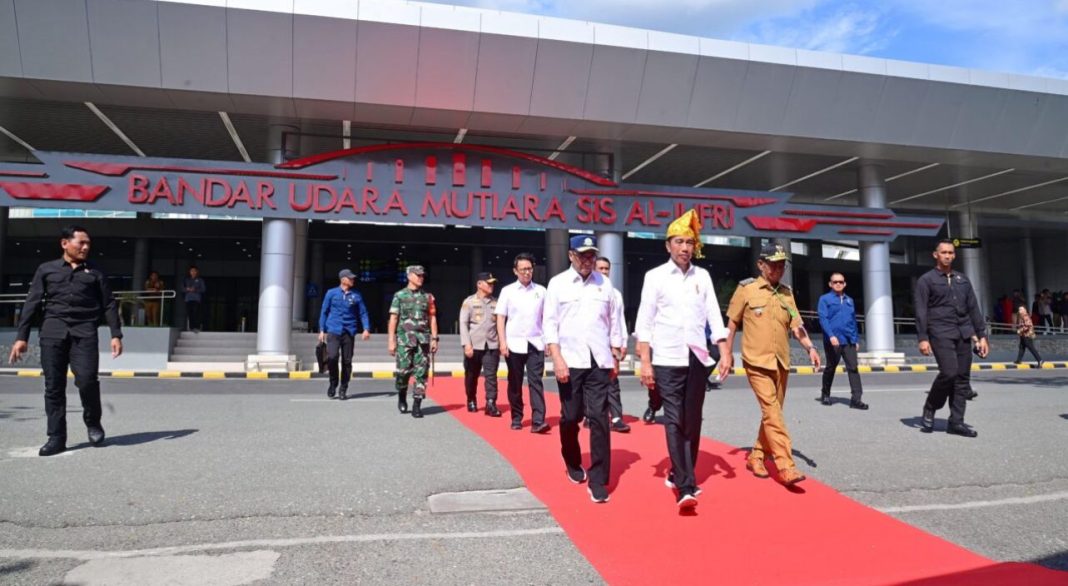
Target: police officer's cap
pixel 774 252
pixel 487 277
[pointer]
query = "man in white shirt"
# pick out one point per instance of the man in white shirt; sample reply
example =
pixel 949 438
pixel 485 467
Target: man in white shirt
pixel 678 301
pixel 615 399
pixel 583 337
pixel 519 315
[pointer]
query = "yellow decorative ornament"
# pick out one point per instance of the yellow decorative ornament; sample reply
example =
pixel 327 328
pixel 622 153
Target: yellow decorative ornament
pixel 687 225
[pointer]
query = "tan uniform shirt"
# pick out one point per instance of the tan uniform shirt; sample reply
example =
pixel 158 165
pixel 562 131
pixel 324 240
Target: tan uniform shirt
pixel 478 324
pixel 766 315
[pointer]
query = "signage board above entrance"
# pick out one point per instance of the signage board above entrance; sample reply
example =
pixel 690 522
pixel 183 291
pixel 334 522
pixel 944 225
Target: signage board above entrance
pixel 430 183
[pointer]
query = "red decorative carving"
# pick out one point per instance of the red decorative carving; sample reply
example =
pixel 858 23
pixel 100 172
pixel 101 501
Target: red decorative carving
pixel 22 174
pixel 781 224
pixel 54 191
pixel 120 169
pixel 832 214
pixel 459 169
pixel 473 148
pixel 431 170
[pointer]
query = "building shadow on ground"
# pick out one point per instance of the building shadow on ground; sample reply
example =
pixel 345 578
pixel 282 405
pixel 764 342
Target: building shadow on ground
pixel 1052 382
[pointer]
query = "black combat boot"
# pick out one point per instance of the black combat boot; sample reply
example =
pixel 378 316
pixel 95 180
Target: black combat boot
pixel 402 401
pixel 417 409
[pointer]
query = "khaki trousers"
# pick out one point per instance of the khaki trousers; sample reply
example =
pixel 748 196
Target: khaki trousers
pixel 769 386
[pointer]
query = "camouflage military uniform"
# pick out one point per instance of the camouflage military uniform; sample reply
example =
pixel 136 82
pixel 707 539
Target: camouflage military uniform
pixel 414 310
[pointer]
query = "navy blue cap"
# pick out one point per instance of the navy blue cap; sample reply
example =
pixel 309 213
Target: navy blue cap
pixel 584 242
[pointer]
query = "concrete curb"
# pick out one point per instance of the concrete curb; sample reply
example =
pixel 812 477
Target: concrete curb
pixel 388 374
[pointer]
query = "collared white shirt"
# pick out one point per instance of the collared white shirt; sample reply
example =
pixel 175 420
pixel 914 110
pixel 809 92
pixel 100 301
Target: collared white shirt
pixel 523 307
pixel 674 309
pixel 622 342
pixel 581 316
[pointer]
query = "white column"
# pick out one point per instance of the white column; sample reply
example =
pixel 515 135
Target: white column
pixel 610 245
pixel 875 270
pixel 556 252
pixel 300 271
pixel 971 261
pixel 277 247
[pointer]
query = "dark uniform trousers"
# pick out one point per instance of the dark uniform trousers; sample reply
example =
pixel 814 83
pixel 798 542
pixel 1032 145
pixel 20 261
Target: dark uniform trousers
pixel 80 354
pixel 682 390
pixel 615 400
pixel 534 364
pixel 486 360
pixel 339 346
pixel 586 394
pixel 846 353
pixel 954 358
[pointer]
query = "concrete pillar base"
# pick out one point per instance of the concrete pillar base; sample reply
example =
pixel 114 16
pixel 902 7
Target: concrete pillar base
pixel 881 358
pixel 271 363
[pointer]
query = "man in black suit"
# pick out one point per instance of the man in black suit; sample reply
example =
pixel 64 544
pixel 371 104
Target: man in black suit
pixel 75 296
pixel 947 319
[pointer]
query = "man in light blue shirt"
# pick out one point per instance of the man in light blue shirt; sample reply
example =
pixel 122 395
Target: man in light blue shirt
pixel 337 327
pixel 838 321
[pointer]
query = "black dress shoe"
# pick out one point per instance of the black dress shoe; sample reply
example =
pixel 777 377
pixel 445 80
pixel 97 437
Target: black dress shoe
pixel 971 395
pixel 620 426
pixel 472 407
pixel 825 399
pixel 492 411
pixel 342 395
pixel 649 416
pixel 540 428
pixel 517 425
pixel 417 409
pixel 330 393
pixel 96 435
pixel 927 421
pixel 54 445
pixel 961 430
pixel 858 404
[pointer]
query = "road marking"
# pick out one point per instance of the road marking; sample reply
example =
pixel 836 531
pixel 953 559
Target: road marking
pixel 88 555
pixel 231 569
pixel 1025 500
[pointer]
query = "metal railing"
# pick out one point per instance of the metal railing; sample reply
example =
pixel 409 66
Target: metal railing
pixel 908 324
pixel 125 298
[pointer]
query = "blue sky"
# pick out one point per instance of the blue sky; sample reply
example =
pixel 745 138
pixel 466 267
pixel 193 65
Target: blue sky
pixel 1017 36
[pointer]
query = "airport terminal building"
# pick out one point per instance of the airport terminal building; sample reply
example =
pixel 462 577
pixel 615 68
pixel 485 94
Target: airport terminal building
pixel 272 143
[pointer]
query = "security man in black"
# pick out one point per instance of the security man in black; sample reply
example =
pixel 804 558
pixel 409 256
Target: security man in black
pixel 75 296
pixel 947 318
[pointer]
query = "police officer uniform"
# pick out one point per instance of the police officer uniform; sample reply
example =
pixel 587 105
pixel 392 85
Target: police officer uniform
pixel 767 314
pixel 478 329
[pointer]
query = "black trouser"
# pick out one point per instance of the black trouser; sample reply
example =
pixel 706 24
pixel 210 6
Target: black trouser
pixel 339 346
pixel 81 355
pixel 682 389
pixel 953 383
pixel 486 360
pixel 534 364
pixel 586 394
pixel 848 354
pixel 1028 343
pixel 615 400
pixel 192 312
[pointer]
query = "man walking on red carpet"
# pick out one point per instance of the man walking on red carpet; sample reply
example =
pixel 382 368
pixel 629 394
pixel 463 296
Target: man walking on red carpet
pixel 678 301
pixel 582 335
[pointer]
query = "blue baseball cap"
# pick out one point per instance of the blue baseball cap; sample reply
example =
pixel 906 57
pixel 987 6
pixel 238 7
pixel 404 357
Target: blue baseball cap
pixel 584 242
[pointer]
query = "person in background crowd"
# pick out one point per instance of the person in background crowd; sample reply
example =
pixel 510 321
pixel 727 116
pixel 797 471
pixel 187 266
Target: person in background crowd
pixel 194 288
pixel 615 399
pixel 1025 328
pixel 154 289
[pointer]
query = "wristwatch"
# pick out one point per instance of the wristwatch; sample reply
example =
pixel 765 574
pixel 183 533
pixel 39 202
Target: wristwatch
pixel 434 339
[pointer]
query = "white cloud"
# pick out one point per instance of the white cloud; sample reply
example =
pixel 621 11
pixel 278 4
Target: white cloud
pixel 849 29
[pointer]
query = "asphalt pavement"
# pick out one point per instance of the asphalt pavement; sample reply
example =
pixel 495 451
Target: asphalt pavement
pixel 239 481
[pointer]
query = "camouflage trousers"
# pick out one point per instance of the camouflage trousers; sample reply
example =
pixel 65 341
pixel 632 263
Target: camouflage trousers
pixel 413 360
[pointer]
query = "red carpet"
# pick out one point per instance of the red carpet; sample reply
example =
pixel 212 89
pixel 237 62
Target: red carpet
pixel 745 531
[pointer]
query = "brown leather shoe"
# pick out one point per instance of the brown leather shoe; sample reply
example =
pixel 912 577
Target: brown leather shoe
pixel 756 466
pixel 791 476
